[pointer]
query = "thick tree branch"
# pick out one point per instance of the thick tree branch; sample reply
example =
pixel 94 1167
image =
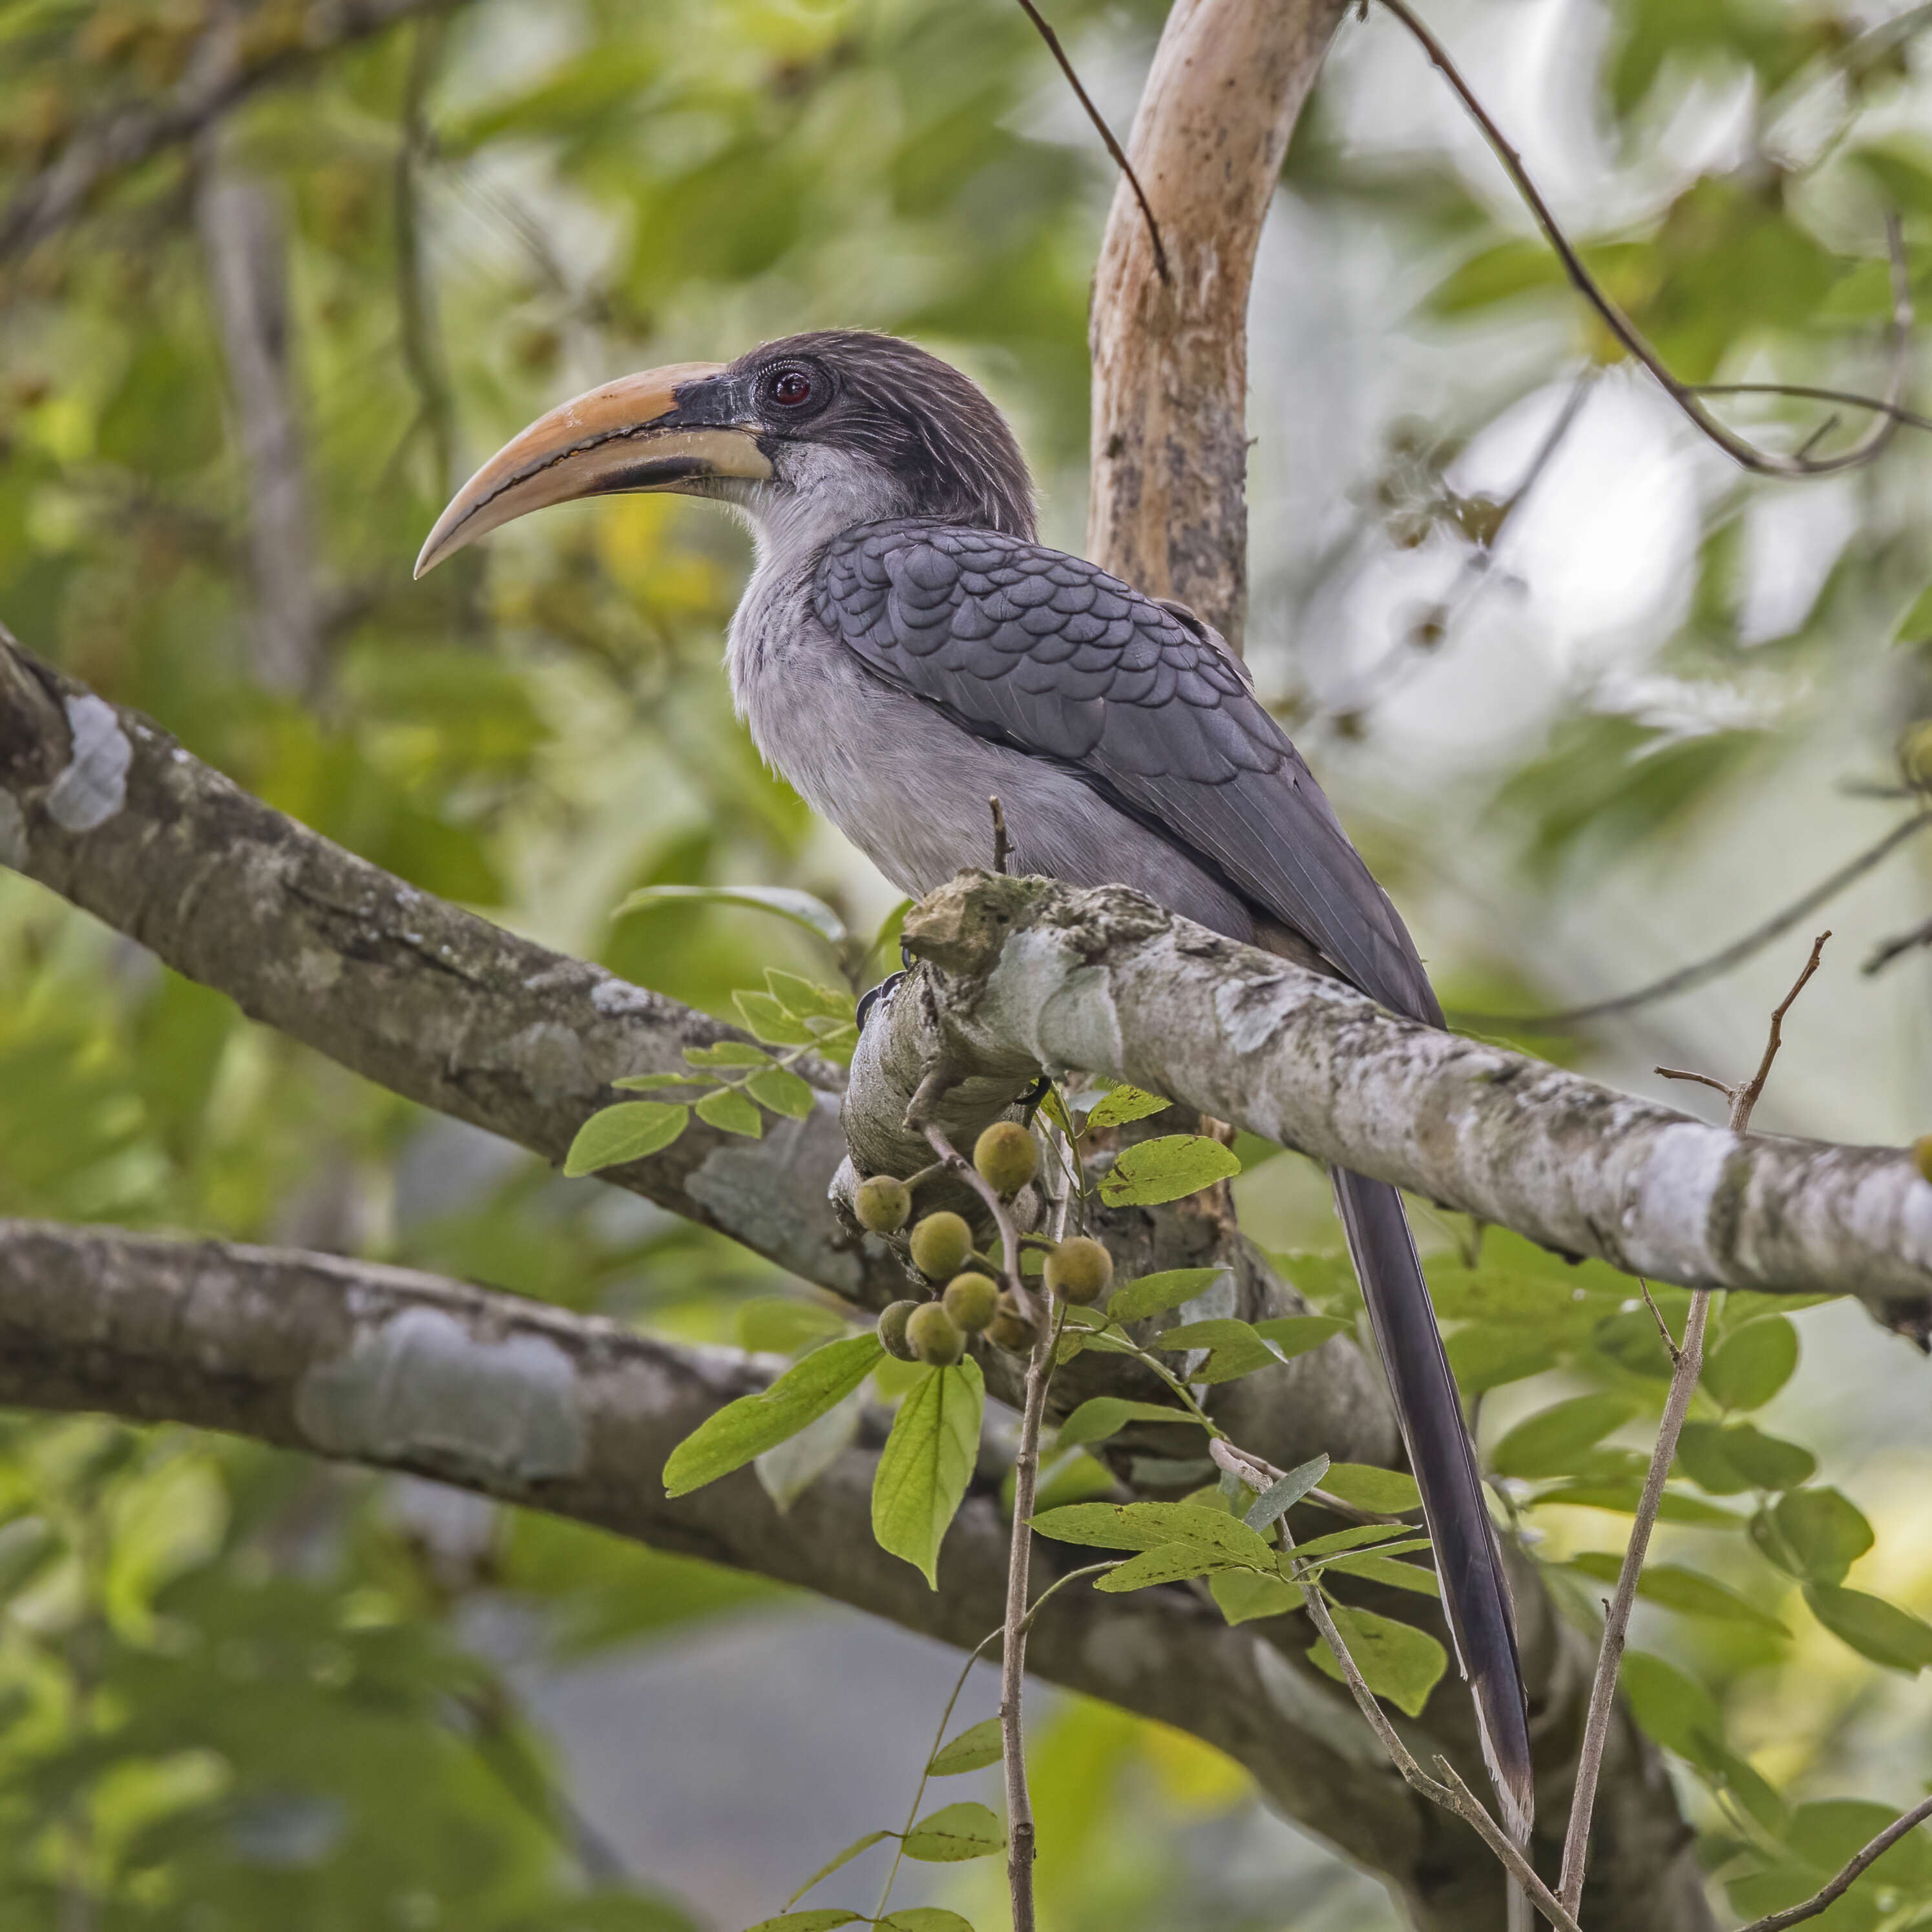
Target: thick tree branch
pixel 1107 981
pixel 1168 509
pixel 575 1415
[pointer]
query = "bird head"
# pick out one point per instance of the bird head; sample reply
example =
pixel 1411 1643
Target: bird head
pixel 805 437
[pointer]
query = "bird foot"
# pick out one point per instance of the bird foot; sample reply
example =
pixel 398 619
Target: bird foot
pixel 874 995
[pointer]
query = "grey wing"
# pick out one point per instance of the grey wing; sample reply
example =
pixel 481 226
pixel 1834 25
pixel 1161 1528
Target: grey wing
pixel 1051 655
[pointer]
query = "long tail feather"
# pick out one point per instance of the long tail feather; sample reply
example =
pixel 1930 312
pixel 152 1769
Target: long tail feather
pixel 1475 1593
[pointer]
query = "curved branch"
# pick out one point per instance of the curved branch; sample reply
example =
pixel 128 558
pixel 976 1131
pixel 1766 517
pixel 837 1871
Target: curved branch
pixel 1106 982
pixel 575 1415
pixel 1746 454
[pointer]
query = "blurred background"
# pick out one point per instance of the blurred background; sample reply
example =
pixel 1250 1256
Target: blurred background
pixel 1594 703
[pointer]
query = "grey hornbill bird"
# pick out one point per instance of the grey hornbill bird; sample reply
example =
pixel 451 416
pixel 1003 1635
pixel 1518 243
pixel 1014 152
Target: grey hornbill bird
pixel 906 650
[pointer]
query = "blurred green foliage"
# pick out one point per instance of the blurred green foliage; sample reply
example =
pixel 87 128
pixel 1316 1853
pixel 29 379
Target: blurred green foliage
pixel 236 1692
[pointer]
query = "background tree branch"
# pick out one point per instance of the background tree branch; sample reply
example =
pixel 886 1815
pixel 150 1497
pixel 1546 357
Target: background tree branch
pixel 1168 507
pixel 575 1414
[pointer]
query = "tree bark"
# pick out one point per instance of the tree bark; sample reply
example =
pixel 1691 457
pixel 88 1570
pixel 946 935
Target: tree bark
pixel 573 1415
pixel 1168 507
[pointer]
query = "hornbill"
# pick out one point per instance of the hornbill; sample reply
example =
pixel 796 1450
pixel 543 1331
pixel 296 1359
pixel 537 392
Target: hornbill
pixel 905 650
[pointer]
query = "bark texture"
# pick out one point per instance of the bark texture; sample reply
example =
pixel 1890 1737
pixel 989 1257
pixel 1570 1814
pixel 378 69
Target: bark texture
pixel 1168 508
pixel 574 1414
pixel 1107 981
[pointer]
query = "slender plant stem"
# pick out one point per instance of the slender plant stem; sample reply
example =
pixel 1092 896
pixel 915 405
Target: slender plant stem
pixel 1688 1364
pixel 1449 1791
pixel 1012 1658
pixel 1735 954
pixel 957 1163
pixel 1761 462
pixel 1795 1914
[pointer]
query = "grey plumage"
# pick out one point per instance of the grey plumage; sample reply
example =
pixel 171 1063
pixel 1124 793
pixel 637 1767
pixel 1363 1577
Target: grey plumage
pixel 906 649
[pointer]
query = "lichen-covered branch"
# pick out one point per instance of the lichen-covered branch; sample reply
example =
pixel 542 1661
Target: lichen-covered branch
pixel 575 1415
pixel 1106 981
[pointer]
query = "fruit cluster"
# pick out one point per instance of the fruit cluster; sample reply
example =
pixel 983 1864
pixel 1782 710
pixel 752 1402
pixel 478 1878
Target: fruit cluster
pixel 940 1246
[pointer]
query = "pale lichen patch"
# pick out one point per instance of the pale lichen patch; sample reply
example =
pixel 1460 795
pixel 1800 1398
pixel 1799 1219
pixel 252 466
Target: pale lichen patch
pixel 94 785
pixel 420 1387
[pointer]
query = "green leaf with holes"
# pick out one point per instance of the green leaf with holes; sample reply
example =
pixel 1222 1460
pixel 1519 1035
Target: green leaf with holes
pixel 1171 1563
pixel 956 1832
pixel 1168 1168
pixel 1397 1661
pixel 1120 1104
pixel 629 1131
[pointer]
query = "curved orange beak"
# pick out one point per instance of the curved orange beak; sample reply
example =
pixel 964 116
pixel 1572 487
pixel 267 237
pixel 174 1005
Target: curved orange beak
pixel 663 430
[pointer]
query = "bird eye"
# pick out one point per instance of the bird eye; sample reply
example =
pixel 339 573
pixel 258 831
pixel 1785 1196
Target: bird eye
pixel 791 389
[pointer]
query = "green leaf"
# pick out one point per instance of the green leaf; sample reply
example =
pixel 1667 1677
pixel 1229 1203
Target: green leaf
pixel 1873 1627
pixel 1375 1568
pixel 1676 1710
pixel 926 1464
pixel 753 1424
pixel 1120 1104
pixel 973 1749
pixel 801 908
pixel 1243 1596
pixel 1695 1595
pixel 923 1918
pixel 1750 1365
pixel 628 1131
pixel 1152 1293
pixel 1726 1459
pixel 1354 1537
pixel 781 1090
pixel 1281 1495
pixel 1297 1334
pixel 1916 626
pixel 1165 1169
pixel 1101 1416
pixel 732 1113
pixel 1673 1507
pixel 844 1858
pixel 1820 1533
pixel 652 1083
pixel 1549 1443
pixel 1234 1349
pixel 764 1017
pixel 1387 1492
pixel 823 1920
pixel 1171 1563
pixel 1151 1525
pixel 1397 1661
pixel 956 1832
pixel 807 1000
pixel 728 1053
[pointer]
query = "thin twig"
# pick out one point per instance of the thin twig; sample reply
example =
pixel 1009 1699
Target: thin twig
pixel 1670 1341
pixel 1794 1915
pixel 1703 970
pixel 957 1163
pixel 1003 846
pixel 1702 1079
pixel 1887 950
pixel 1106 134
pixel 1760 462
pixel 1810 393
pixel 1687 1365
pixel 1450 1791
pixel 1013 1657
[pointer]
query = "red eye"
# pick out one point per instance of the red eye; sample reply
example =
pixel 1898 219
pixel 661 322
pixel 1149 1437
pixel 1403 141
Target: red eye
pixel 791 388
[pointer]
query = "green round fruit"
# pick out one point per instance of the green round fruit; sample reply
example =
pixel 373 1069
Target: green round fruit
pixel 933 1337
pixel 883 1204
pixel 971 1301
pixel 1079 1271
pixel 1922 1152
pixel 1006 1156
pixel 941 1245
pixel 892 1321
